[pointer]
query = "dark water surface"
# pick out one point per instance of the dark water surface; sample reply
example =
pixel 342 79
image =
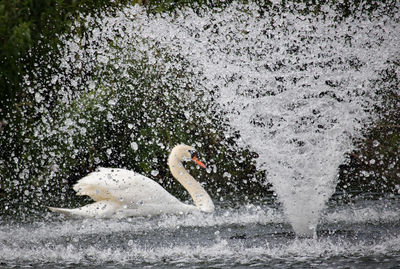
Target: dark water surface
pixel 364 234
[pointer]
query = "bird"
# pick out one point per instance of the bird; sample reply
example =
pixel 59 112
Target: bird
pixel 120 193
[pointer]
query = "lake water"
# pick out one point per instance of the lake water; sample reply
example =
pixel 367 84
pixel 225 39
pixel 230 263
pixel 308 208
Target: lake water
pixel 362 234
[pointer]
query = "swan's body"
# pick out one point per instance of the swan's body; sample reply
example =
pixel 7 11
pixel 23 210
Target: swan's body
pixel 122 193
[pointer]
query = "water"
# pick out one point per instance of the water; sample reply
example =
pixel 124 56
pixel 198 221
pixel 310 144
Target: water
pixel 364 234
pixel 298 87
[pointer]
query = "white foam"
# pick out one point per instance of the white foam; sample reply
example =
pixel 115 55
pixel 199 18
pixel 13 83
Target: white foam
pixel 375 213
pixel 143 240
pixel 219 251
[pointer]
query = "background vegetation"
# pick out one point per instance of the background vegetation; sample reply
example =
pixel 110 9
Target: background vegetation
pixel 30 29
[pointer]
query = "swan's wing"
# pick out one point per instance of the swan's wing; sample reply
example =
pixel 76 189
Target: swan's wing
pixel 102 209
pixel 122 186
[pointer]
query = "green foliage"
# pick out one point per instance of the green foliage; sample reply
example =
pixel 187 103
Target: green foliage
pixel 128 117
pixel 25 24
pixel 29 31
pixel 43 155
pixel 373 166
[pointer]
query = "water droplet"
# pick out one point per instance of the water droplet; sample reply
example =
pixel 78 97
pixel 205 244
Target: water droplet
pixel 91 85
pixel 227 175
pixel 134 146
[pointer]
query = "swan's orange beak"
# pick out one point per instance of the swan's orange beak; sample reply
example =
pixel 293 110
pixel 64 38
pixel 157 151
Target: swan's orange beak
pixel 198 162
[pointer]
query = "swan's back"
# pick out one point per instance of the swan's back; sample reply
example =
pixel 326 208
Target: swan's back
pixel 122 186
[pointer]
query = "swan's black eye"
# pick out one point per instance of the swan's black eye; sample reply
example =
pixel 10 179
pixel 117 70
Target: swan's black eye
pixel 193 153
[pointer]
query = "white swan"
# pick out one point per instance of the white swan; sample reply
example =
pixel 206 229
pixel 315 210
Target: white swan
pixel 122 193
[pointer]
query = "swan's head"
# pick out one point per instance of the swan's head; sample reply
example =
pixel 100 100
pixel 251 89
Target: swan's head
pixel 182 153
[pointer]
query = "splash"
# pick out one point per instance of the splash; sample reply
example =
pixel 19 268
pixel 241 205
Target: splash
pixel 297 86
pixel 248 236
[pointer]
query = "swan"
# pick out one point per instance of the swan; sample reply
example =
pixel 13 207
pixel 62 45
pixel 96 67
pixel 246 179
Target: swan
pixel 120 193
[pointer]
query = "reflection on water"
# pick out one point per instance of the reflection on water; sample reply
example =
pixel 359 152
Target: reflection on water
pixel 365 233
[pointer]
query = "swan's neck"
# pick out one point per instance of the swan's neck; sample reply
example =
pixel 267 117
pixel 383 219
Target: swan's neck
pixel 199 195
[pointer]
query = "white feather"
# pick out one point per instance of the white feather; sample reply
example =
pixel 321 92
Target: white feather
pixel 122 193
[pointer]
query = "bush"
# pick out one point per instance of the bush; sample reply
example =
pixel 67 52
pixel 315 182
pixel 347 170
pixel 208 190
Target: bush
pixel 73 120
